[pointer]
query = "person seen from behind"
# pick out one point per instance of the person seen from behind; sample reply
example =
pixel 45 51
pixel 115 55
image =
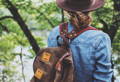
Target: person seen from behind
pixel 91 50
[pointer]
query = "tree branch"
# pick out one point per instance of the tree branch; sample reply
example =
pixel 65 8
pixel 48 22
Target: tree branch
pixel 21 59
pixel 4 28
pixel 105 26
pixel 46 18
pixel 51 24
pixel 116 21
pixel 6 17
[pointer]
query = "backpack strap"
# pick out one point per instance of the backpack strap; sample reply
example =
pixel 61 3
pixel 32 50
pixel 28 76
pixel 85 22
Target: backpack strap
pixel 63 28
pixel 68 36
pixel 59 63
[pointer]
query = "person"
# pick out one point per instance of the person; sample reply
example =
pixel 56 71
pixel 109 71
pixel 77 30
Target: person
pixel 91 50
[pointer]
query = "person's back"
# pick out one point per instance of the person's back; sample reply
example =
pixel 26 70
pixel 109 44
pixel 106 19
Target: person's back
pixel 88 51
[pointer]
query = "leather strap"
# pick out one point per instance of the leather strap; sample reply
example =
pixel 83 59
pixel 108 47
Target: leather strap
pixel 63 28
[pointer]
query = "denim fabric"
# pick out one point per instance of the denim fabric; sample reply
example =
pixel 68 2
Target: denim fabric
pixel 91 53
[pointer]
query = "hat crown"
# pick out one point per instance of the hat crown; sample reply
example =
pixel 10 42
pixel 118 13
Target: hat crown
pixel 80 5
pixel 79 1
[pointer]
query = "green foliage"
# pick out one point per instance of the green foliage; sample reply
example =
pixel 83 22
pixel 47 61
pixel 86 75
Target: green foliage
pixel 40 13
pixel 105 13
pixel 9 73
pixel 116 43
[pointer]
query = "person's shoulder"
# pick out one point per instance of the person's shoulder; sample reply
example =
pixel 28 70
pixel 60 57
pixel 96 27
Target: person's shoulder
pixel 55 29
pixel 100 34
pixel 53 33
pixel 96 34
pixel 100 37
pixel 90 36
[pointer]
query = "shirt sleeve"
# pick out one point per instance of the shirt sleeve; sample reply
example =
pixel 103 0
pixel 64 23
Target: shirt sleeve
pixel 103 71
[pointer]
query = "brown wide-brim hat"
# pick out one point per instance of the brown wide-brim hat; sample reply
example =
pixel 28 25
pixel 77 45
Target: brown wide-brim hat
pixel 80 5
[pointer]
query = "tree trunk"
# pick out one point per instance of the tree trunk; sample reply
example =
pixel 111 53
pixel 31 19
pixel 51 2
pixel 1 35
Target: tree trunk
pixel 113 31
pixel 114 27
pixel 22 25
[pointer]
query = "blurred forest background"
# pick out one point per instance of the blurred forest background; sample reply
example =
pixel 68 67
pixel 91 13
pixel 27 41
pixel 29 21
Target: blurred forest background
pixel 25 25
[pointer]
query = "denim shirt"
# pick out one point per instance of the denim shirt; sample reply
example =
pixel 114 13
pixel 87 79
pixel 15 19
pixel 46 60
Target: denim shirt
pixel 91 52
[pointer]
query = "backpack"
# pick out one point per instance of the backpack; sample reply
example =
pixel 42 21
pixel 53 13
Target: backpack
pixel 56 64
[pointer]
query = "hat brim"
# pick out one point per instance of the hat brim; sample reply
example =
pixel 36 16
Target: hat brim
pixel 67 7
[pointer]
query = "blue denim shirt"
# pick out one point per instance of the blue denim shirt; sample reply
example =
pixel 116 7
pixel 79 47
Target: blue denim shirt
pixel 91 52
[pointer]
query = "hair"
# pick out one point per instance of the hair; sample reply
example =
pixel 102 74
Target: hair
pixel 79 19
